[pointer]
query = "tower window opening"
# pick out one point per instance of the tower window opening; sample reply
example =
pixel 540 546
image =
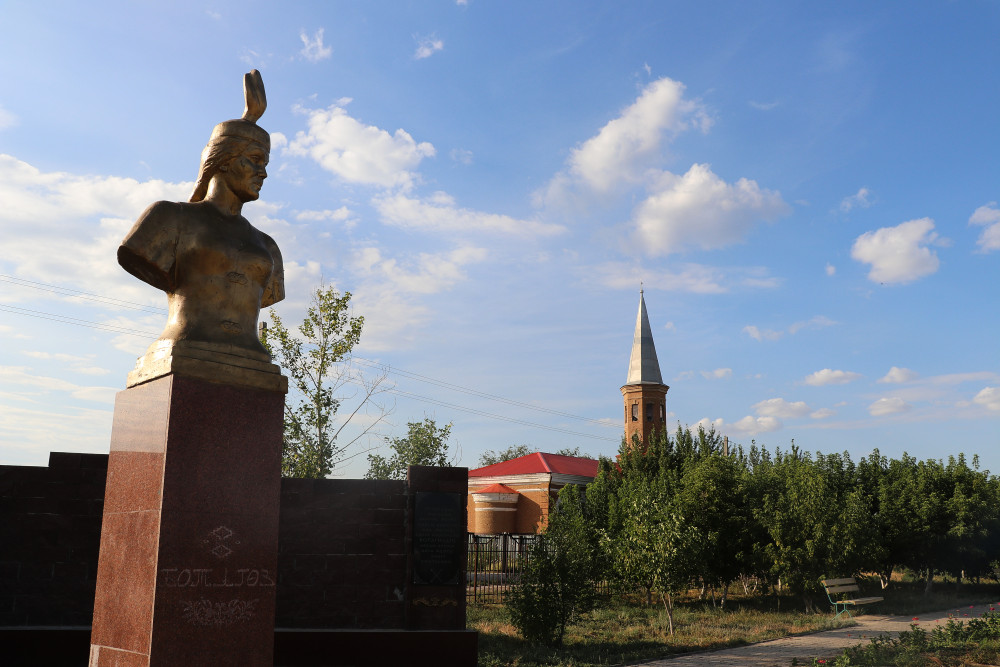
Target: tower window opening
pixel 649 412
pixel 635 412
pixel 662 412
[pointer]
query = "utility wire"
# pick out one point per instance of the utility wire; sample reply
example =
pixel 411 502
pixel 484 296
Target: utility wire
pixel 386 368
pixel 117 329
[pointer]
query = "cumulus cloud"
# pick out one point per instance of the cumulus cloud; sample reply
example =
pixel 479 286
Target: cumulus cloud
pixel 898 375
pixel 706 425
pixel 717 374
pixel 828 377
pixel 439 213
pixel 831 270
pixel 700 210
pixel 989 398
pixel 632 142
pixel 427 46
pixel 860 199
pixel 78 220
pixel 822 413
pixel 898 254
pixel 782 409
pixel 628 146
pixel 313 48
pixel 751 425
pixel 987 216
pixel 359 153
pixel 888 406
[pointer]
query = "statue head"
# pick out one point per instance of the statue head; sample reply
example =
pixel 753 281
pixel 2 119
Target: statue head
pixel 230 138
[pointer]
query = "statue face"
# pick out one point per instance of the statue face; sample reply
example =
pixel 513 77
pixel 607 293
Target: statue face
pixel 245 173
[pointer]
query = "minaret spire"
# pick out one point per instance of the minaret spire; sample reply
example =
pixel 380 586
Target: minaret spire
pixel 644 392
pixel 643 367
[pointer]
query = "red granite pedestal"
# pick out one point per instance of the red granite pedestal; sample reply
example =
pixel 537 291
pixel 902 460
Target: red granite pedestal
pixel 189 543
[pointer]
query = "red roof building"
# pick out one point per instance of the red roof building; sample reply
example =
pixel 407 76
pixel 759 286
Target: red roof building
pixel 515 496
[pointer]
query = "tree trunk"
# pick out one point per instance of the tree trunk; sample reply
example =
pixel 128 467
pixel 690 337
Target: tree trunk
pixel 725 593
pixel 885 577
pixel 668 602
pixel 929 582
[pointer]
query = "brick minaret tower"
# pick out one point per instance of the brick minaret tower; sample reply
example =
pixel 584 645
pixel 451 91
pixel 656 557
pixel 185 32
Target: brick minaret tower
pixel 644 392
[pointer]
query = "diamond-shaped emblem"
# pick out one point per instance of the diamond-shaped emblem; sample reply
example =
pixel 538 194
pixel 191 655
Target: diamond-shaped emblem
pixel 222 533
pixel 221 551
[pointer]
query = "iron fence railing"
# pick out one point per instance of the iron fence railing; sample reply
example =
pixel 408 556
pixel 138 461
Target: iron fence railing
pixel 495 562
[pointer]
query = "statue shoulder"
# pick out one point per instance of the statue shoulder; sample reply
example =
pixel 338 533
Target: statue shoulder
pixel 148 250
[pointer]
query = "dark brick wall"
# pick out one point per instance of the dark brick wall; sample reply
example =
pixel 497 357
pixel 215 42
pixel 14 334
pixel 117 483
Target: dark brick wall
pixel 342 554
pixel 50 531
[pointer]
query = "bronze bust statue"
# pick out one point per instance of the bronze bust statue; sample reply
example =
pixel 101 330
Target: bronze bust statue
pixel 216 268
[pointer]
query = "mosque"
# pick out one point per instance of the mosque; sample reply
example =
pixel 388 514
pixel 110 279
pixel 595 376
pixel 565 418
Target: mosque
pixel 515 496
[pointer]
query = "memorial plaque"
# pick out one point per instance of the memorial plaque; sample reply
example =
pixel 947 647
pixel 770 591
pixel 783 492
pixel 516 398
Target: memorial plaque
pixel 438 538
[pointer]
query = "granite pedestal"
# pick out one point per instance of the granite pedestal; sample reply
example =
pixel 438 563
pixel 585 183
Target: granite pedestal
pixel 189 543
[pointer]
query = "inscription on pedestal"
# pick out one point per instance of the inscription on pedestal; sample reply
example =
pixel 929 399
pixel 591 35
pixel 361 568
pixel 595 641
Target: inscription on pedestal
pixel 438 538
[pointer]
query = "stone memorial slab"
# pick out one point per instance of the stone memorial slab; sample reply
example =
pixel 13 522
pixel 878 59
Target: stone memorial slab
pixel 438 538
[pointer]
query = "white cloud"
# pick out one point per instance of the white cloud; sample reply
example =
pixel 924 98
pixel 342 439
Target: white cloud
pixel 989 217
pixel 700 210
pixel 427 46
pixel 22 376
pixel 342 215
pixel 817 322
pixel 7 119
pixel 764 106
pixel 439 213
pixel 78 222
pixel 828 377
pixel 75 363
pixel 356 152
pixel 822 413
pixel 898 254
pixel 629 144
pixel 761 334
pixel 670 326
pixel 888 406
pixel 717 374
pixel 898 375
pixel 460 155
pixel 779 407
pixel 989 397
pixel 861 199
pixel 693 278
pixel 751 425
pixel 706 425
pixel 831 269
pixel 426 274
pixel 313 48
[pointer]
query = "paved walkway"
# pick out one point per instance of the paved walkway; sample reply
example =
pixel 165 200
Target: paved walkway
pixel 817 645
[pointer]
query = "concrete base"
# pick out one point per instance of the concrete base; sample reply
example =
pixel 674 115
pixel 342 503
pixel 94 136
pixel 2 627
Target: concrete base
pixel 189 543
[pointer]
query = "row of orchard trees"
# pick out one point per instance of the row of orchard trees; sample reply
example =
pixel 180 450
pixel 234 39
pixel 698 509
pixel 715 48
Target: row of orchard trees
pixel 679 512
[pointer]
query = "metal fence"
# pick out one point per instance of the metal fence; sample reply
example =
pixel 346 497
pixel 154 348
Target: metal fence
pixel 495 562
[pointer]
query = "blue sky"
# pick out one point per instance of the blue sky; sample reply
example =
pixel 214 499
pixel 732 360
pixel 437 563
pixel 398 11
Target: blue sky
pixel 807 191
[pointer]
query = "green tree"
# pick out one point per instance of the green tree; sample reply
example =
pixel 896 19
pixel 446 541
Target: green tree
pixel 490 457
pixel 558 582
pixel 316 361
pixel 425 444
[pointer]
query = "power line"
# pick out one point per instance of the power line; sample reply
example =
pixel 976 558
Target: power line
pixel 87 296
pixel 117 329
pixel 361 360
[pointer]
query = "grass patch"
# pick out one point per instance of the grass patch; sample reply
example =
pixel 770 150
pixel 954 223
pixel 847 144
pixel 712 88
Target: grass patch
pixel 625 631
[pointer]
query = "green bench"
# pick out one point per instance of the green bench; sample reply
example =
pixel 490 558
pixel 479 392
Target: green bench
pixel 839 588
